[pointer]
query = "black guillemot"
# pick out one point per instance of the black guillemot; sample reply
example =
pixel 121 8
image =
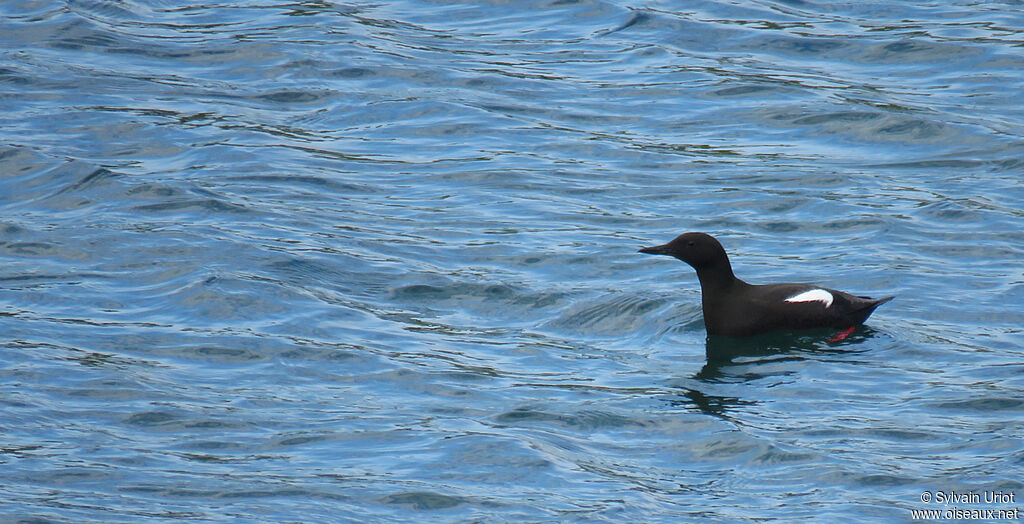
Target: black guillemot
pixel 734 308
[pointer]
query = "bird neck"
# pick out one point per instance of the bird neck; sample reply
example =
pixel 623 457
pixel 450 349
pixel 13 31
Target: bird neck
pixel 716 276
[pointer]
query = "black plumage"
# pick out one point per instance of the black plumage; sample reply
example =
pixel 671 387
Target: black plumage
pixel 735 308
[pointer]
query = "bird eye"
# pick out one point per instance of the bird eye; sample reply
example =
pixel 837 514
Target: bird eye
pixel 691 243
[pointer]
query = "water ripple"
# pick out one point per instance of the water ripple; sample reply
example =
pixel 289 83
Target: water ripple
pixel 318 261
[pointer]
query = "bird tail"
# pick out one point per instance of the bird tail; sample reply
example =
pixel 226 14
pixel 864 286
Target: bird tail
pixel 881 301
pixel 869 307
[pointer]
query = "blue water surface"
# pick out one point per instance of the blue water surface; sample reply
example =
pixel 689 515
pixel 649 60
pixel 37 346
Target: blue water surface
pixel 351 262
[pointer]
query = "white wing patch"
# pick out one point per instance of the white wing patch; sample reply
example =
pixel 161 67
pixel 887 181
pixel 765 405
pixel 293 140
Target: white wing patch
pixel 814 295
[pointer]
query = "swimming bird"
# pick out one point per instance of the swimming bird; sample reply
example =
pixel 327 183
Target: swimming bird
pixel 734 308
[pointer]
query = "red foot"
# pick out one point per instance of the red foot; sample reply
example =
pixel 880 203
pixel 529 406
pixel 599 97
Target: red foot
pixel 842 334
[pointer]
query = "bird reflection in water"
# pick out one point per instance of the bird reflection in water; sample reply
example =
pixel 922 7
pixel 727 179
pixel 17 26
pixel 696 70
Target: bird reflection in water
pixel 732 360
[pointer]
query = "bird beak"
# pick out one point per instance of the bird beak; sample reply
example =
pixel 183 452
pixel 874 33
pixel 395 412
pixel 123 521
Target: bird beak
pixel 655 250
